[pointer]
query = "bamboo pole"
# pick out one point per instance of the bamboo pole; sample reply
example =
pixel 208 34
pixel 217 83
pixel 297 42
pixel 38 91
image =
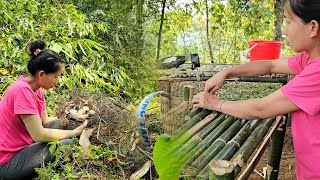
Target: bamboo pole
pixel 211 133
pixel 275 152
pixel 235 143
pixel 177 148
pixel 215 123
pixel 187 135
pixel 245 79
pixel 195 112
pixel 250 145
pixel 214 148
pixel 221 170
pixel 195 119
pixel 246 173
pixel 184 145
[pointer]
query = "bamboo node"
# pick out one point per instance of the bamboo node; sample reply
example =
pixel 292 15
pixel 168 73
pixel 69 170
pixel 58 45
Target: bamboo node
pixel 232 141
pixel 219 139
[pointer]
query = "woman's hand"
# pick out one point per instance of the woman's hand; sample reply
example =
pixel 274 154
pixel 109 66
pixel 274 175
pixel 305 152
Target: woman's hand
pixel 215 82
pixel 80 128
pixel 206 100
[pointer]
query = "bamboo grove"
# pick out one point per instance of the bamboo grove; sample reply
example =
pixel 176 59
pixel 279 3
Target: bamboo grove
pixel 110 46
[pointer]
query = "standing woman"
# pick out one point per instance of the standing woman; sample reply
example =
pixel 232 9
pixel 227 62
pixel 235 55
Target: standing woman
pixel 24 125
pixel 300 96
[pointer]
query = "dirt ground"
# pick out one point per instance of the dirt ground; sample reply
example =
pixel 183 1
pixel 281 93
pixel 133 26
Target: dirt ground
pixel 287 163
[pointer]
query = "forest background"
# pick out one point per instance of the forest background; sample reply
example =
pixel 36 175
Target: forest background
pixel 116 46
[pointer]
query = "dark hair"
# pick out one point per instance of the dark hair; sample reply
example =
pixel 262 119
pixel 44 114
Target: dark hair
pixel 42 59
pixel 307 10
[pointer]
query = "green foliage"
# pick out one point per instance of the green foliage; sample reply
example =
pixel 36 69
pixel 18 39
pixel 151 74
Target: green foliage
pixel 53 146
pixel 170 154
pixel 97 40
pixel 245 90
pixel 69 163
pixel 232 25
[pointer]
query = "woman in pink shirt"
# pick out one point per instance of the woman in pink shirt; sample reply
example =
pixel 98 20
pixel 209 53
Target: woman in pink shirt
pixel 300 96
pixel 24 125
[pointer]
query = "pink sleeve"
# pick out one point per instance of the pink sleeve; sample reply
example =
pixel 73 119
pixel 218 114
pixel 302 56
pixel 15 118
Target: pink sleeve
pixel 24 102
pixel 304 89
pixel 298 62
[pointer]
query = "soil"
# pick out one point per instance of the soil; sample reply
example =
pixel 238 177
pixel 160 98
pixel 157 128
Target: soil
pixel 287 163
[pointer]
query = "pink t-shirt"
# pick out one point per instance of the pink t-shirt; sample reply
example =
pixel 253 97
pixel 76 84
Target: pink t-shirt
pixel 304 91
pixel 19 99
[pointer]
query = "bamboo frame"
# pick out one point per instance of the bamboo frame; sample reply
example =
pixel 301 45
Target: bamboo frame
pixel 200 145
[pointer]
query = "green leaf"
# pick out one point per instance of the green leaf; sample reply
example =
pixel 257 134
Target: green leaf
pixel 53 146
pixel 171 154
pixel 56 48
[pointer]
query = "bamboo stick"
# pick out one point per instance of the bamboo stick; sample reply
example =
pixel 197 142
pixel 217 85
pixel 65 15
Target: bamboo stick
pixel 202 124
pixel 213 125
pixel 191 93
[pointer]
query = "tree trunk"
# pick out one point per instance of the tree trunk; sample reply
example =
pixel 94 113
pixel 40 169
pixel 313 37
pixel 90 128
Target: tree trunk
pixel 160 28
pixel 139 15
pixel 208 33
pixel 278 9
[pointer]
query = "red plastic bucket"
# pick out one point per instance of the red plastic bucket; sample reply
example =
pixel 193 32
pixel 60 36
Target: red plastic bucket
pixel 264 50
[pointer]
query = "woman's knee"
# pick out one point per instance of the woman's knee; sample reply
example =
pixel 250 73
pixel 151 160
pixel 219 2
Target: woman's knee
pixel 54 124
pixel 67 142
